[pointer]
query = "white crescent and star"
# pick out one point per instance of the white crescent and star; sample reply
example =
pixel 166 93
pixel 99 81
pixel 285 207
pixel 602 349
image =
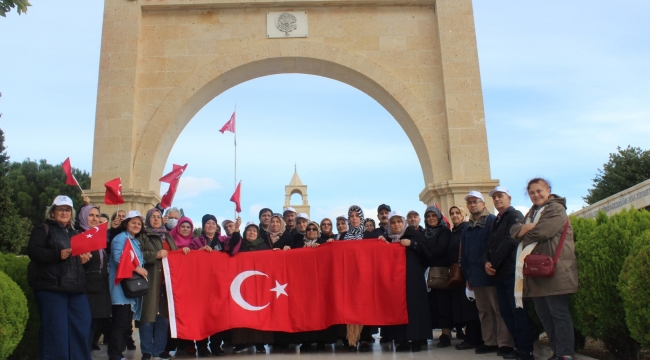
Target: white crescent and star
pixel 235 290
pixel 91 235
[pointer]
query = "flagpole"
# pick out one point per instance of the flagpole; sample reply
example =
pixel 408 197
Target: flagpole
pixel 235 183
pixel 79 186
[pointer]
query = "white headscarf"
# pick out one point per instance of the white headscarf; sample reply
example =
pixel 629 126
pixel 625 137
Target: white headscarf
pixel 396 237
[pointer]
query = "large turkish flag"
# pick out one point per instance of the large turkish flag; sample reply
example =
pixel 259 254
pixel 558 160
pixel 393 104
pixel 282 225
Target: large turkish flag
pixel 340 282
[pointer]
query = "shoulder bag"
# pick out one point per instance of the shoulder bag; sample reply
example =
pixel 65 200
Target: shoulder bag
pixel 438 277
pixel 455 272
pixel 136 286
pixel 540 265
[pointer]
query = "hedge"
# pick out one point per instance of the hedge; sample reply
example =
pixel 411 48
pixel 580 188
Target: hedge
pixel 633 285
pixel 13 315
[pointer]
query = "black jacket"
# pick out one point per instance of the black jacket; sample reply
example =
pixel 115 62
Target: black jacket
pixel 501 248
pixel 438 246
pixel 264 245
pixel 286 239
pixel 46 270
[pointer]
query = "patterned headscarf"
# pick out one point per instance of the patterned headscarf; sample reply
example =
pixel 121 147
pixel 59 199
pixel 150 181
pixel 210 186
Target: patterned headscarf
pixel 83 216
pixel 309 243
pixel 355 233
pixel 147 222
pixel 395 237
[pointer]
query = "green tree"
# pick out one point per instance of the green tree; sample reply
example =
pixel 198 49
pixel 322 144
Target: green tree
pixel 36 184
pixel 7 5
pixel 625 168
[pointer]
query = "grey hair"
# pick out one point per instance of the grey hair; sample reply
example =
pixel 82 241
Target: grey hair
pixel 49 214
pixel 173 209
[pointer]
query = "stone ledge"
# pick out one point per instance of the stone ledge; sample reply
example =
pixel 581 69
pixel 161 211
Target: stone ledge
pixel 216 4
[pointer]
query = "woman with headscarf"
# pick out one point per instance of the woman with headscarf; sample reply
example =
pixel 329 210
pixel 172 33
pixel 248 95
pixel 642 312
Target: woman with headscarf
pixel 464 312
pixel 277 236
pixel 155 243
pixel 326 233
pixel 183 234
pixel 97 290
pixel 437 236
pixel 341 226
pixel 369 225
pixel 418 256
pixel 312 233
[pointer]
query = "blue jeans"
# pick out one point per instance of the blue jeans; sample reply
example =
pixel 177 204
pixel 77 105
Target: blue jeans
pixel 153 336
pixel 65 324
pixel 516 319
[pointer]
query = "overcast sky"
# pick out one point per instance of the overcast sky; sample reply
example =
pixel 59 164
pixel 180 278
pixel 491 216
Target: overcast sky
pixel 564 84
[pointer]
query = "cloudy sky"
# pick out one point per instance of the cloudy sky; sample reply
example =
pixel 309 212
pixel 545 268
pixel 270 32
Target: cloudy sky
pixel 564 84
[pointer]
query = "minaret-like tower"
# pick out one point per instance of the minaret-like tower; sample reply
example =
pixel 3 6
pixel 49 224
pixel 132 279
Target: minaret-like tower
pixel 296 187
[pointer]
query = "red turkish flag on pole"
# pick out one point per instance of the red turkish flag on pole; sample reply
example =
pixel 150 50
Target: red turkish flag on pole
pixel 128 262
pixel 236 197
pixel 69 177
pixel 113 195
pixel 89 240
pixel 230 125
pixel 176 173
pixel 173 178
pixel 270 290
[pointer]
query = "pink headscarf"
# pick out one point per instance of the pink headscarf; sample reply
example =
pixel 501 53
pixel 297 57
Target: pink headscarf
pixel 180 240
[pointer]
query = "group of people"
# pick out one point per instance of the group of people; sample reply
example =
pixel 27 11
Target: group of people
pixel 78 299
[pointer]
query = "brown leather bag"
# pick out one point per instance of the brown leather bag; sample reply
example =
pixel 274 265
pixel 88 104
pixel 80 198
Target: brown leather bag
pixel 541 265
pixel 438 277
pixel 455 273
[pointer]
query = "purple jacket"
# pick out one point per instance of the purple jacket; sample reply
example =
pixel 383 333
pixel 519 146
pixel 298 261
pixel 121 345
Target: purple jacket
pixel 222 243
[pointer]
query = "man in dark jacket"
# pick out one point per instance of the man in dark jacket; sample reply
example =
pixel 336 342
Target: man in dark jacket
pixel 500 259
pixel 474 239
pixel 382 215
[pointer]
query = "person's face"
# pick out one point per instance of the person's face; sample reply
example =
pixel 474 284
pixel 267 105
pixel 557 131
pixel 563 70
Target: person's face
pixel 382 215
pixel 326 226
pixel 370 226
pixel 341 226
pixel 501 201
pixel 251 233
pixel 396 225
pixel 185 229
pixel 431 218
pixel 539 193
pixel 456 216
pixel 475 205
pixel 290 218
pixel 230 228
pixel 174 215
pixel 265 218
pixel 355 220
pixel 62 214
pixel 134 226
pixel 301 224
pixel 311 232
pixel 413 219
pixel 210 227
pixel 118 219
pixel 93 217
pixel 155 220
pixel 275 224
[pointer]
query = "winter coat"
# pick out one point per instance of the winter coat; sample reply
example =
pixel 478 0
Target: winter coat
pixel 547 234
pixel 154 300
pixel 462 310
pixel 473 240
pixel 46 269
pixel 98 292
pixel 117 295
pixel 501 249
pixel 439 246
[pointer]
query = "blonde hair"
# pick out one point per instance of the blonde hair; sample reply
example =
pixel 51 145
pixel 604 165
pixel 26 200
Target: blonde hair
pixel 49 214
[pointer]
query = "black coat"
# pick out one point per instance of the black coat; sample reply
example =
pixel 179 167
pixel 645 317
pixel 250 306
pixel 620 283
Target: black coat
pixel 324 238
pixel 98 290
pixel 501 248
pixel 462 309
pixel 264 245
pixel 46 270
pixel 439 247
pixel 286 239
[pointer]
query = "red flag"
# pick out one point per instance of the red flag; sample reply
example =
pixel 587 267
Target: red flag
pixel 89 240
pixel 113 195
pixel 176 173
pixel 128 262
pixel 269 290
pixel 236 197
pixel 69 178
pixel 230 125
pixel 173 179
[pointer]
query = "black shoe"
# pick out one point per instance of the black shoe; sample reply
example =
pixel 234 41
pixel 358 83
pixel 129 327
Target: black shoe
pixel 402 347
pixel 204 352
pixel 146 356
pixel 504 350
pixel 95 347
pixel 529 356
pixel 165 355
pixel 384 340
pixel 130 344
pixel 508 355
pixel 416 347
pixel 351 348
pixel 216 350
pixel 321 346
pixel 445 341
pixel 464 346
pixel 460 334
pixel 305 348
pixel 364 347
pixel 260 349
pixel 485 349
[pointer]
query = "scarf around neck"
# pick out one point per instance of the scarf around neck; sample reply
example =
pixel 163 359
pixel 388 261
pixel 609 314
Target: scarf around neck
pixel 396 237
pixel 275 236
pixel 355 233
pixel 180 240
pixel 431 231
pixel 161 230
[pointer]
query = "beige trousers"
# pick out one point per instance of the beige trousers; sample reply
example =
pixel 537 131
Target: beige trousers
pixel 494 329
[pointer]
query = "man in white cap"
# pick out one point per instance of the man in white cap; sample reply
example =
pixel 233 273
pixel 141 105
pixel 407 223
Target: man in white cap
pixel 289 215
pixel 473 243
pixel 500 259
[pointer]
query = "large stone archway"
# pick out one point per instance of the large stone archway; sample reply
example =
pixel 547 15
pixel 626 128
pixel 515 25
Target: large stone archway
pixel 163 60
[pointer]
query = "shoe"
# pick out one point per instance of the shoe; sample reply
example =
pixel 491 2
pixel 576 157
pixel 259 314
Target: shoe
pixel 460 334
pixel 445 341
pixel 508 355
pixel 416 346
pixel 464 346
pixel 402 347
pixel 485 349
pixel 525 356
pixel 504 350
pixel 204 352
pixel 305 348
pixel 95 347
pixel 216 351
pixel 165 355
pixel 384 340
pixel 130 344
pixel 321 346
pixel 351 348
pixel 364 347
pixel 146 356
pixel 260 349
pixel 239 347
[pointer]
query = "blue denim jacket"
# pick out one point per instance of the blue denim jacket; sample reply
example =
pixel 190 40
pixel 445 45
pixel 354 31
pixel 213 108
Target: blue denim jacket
pixel 473 240
pixel 117 295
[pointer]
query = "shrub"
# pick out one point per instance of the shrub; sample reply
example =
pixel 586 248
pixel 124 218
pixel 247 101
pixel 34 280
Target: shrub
pixel 16 268
pixel 635 292
pixel 13 315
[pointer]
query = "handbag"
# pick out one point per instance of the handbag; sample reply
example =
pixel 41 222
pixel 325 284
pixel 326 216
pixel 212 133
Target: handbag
pixel 455 273
pixel 438 277
pixel 135 287
pixel 540 265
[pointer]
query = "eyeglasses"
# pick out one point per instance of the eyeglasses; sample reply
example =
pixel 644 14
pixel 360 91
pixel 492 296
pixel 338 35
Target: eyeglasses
pixel 474 202
pixel 311 229
pixel 63 209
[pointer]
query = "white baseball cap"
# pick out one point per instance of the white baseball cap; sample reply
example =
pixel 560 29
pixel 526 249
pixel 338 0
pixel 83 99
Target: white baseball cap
pixel 302 216
pixel 251 223
pixel 475 194
pixel 288 208
pixel 62 200
pixel 393 214
pixel 499 189
pixel 132 214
